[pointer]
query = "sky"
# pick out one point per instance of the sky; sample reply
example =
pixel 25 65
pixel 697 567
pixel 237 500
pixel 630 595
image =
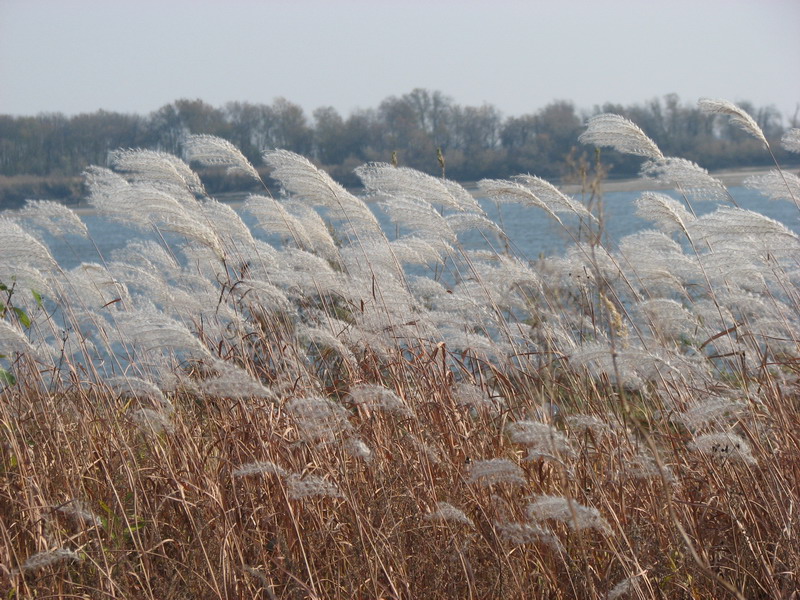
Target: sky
pixel 135 56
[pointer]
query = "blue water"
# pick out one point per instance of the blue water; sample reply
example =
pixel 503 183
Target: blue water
pixel 531 232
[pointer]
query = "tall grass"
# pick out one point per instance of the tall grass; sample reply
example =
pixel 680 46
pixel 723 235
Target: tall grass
pixel 350 413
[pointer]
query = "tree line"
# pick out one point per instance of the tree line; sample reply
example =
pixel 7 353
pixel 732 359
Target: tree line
pixel 422 129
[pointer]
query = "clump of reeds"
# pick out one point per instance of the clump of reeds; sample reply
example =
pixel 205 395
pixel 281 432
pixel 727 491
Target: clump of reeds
pixel 347 412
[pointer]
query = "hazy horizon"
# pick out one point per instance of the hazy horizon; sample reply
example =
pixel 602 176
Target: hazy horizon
pixel 86 55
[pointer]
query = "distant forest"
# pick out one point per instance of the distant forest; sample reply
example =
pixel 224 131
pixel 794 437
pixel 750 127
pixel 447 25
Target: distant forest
pixel 43 156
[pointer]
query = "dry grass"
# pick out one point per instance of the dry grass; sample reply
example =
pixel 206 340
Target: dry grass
pixel 457 475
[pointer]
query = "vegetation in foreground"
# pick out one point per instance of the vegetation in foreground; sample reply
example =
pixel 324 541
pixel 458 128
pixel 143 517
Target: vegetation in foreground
pixel 338 414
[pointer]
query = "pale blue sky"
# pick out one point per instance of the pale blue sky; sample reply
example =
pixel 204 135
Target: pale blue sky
pixel 77 56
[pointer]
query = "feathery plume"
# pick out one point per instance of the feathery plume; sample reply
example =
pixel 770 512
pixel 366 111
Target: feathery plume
pixel 227 224
pixel 567 511
pixel 148 255
pixel 713 411
pixel 18 247
pixel 791 140
pixel 496 470
pixel 94 286
pixel 419 217
pixel 723 447
pixel 273 218
pixel 80 514
pixel 324 340
pixel 49 558
pixel 157 168
pixel 213 151
pixel 461 222
pixel 583 423
pixel 776 185
pixel 143 206
pixel 263 295
pixel 319 419
pixel 542 440
pixel 136 387
pixel 297 175
pixel 644 466
pixel 688 177
pixel 53 217
pixel 523 534
pixel 357 448
pixel 319 234
pixel 621 134
pixel 149 420
pixel 310 486
pixel 732 225
pixel 501 190
pixel 553 197
pixel 472 396
pixel 377 397
pixel 416 250
pixel 13 340
pixel 390 181
pixel 664 212
pixel 448 513
pixel 234 382
pixel 261 467
pixel 738 116
pixel 622 588
pixel 668 317
pixel 155 331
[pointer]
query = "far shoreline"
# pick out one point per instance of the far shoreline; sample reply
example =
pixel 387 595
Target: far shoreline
pixel 729 177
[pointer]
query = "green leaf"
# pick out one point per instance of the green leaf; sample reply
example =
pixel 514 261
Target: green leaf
pixel 7 377
pixel 23 317
pixel 38 297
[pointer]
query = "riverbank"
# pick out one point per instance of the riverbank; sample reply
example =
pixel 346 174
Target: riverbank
pixel 729 177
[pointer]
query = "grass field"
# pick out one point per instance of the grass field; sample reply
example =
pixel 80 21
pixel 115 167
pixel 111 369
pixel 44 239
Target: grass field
pixel 335 414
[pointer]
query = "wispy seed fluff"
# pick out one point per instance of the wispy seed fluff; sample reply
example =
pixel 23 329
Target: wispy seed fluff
pixel 473 396
pixel 738 116
pixel 621 134
pixel 300 488
pixel 447 512
pixel 53 217
pixel 644 467
pixel 377 397
pixel 13 340
pixel 688 177
pixel 495 470
pixel 319 419
pixel 210 150
pixel 522 534
pixel 49 558
pixel 713 411
pixel 261 467
pixel 791 140
pixel 80 514
pixel 357 448
pixel 622 588
pixel 776 185
pixel 723 447
pixel 567 511
pixel 541 439
pixel 149 420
